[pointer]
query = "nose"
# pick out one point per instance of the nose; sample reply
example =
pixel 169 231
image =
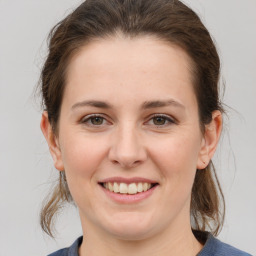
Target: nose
pixel 127 150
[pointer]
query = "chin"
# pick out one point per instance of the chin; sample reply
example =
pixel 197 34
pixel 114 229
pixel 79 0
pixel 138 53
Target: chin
pixel 131 234
pixel 130 226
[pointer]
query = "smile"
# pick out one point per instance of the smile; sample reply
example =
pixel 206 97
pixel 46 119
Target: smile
pixel 124 188
pixel 128 190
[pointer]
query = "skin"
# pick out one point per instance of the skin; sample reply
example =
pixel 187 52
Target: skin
pixel 129 143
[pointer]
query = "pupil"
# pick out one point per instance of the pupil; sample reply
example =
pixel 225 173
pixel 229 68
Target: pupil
pixel 159 120
pixel 97 120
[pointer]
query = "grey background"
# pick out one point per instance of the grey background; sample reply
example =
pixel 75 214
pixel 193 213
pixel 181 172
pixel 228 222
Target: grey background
pixel 27 171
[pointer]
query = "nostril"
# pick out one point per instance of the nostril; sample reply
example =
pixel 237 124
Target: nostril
pixel 115 162
pixel 126 164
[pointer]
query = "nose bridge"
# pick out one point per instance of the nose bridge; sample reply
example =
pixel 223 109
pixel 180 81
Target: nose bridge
pixel 127 148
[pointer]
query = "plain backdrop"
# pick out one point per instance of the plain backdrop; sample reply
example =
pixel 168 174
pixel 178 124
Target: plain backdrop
pixel 27 171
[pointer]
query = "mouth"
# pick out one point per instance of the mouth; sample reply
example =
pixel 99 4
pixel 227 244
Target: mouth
pixel 128 188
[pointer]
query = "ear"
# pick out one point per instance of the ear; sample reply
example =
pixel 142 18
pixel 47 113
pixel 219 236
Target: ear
pixel 210 140
pixel 52 141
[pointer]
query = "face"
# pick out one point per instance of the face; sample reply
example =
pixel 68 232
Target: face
pixel 129 123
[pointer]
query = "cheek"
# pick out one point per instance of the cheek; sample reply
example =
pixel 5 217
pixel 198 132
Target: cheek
pixel 82 155
pixel 177 158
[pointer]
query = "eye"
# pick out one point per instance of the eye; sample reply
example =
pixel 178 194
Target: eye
pixel 97 120
pixel 161 120
pixel 94 120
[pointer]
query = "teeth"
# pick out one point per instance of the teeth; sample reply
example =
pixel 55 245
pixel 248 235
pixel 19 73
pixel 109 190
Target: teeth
pixel 145 187
pixel 116 187
pixel 131 189
pixel 123 188
pixel 110 186
pixel 140 187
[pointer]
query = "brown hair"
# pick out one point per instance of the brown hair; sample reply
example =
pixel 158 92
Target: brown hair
pixel 168 20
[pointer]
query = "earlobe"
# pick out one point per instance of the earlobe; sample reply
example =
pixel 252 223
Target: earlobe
pixel 210 140
pixel 52 141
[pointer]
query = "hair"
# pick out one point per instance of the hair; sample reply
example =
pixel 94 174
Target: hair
pixel 168 20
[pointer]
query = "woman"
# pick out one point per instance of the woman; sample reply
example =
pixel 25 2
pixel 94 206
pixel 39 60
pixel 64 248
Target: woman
pixel 132 119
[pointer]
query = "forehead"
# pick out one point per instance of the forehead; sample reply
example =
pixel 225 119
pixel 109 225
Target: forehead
pixel 124 66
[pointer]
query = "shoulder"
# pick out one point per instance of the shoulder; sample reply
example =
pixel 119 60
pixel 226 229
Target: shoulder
pixel 214 247
pixel 62 252
pixel 69 251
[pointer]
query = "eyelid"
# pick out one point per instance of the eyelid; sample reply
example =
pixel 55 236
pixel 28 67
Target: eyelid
pixel 84 120
pixel 169 119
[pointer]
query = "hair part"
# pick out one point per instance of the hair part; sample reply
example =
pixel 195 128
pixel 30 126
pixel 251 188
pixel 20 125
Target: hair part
pixel 168 20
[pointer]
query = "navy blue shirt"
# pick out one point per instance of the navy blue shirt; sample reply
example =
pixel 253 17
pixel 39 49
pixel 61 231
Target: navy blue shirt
pixel 212 247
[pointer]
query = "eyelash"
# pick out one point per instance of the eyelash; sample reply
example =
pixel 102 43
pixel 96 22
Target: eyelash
pixel 87 120
pixel 166 118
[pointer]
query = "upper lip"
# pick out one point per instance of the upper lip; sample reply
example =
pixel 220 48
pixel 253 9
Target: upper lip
pixel 127 180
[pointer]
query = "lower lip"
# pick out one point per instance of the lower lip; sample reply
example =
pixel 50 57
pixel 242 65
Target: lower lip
pixel 128 199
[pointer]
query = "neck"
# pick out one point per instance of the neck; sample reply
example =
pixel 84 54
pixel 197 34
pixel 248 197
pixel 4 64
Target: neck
pixel 166 243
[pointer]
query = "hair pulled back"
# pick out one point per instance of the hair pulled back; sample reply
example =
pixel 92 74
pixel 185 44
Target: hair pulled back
pixel 168 20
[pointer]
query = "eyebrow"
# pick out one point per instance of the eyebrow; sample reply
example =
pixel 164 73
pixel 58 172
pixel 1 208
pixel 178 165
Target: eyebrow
pixel 92 103
pixel 160 103
pixel 145 105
